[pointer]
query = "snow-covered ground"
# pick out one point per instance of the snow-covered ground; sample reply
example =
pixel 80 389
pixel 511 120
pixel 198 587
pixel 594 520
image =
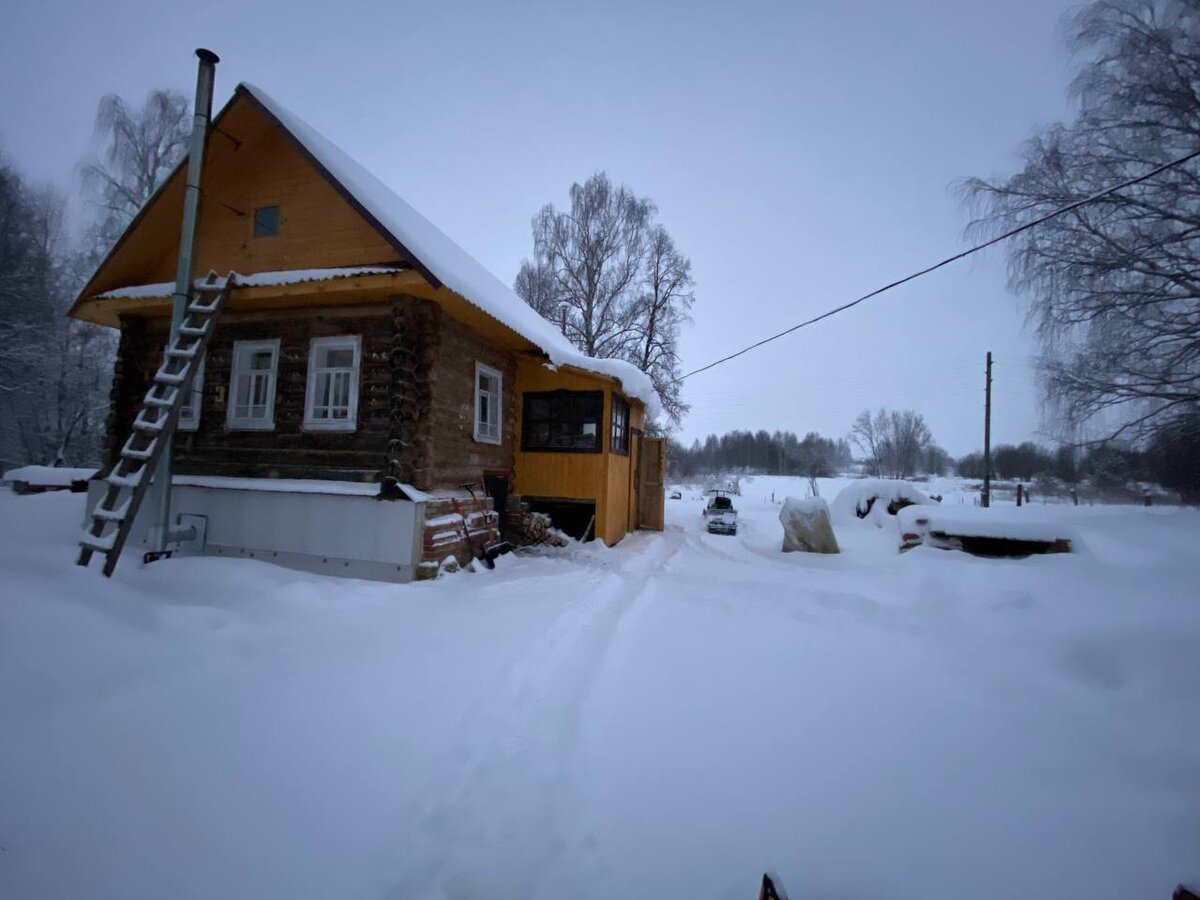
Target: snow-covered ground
pixel 666 718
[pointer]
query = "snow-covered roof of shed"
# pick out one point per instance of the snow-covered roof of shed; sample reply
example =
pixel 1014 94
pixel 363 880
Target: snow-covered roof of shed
pixel 447 261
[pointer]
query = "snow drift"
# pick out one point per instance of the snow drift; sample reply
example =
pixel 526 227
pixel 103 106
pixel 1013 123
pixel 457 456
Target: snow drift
pixel 971 521
pixel 858 499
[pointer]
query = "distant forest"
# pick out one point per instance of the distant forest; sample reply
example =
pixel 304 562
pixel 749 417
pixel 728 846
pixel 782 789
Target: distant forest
pixel 780 453
pixel 783 453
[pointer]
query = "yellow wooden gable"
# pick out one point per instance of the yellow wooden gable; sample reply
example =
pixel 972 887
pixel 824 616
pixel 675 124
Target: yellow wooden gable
pixel 250 163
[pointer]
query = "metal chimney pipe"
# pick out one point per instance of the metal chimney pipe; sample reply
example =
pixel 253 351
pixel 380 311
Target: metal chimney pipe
pixel 183 271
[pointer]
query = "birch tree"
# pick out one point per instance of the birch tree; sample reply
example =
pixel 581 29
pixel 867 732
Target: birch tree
pixel 1114 288
pixel 138 149
pixel 613 280
pixel 662 307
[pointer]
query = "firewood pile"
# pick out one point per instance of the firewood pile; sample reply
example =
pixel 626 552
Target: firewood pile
pixel 536 528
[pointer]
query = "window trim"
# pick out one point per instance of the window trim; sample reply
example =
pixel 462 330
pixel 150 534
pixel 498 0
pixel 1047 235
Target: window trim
pixel 233 422
pixel 485 369
pixel 612 425
pixel 341 341
pixel 254 221
pixel 527 447
pixel 197 392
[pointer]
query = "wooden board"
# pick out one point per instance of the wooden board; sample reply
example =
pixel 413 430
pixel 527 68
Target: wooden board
pixel 604 478
pixel 652 465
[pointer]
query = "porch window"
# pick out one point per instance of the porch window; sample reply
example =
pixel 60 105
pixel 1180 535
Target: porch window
pixel 619 442
pixel 489 387
pixel 562 421
pixel 189 413
pixel 252 385
pixel 331 402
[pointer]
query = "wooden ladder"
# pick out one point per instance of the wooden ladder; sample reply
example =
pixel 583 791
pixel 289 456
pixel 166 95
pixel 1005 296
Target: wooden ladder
pixel 129 480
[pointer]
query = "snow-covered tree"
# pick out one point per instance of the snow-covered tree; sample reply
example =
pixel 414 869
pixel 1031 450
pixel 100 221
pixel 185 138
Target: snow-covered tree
pixel 53 371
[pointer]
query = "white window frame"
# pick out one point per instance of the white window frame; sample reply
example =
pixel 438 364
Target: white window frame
pixel 483 369
pixel 192 422
pixel 241 349
pixel 340 342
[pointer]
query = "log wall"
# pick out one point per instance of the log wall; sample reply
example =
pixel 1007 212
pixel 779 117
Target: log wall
pixel 416 403
pixel 287 451
pixel 457 457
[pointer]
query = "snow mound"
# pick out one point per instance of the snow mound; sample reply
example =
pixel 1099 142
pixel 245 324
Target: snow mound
pixel 448 262
pixel 971 521
pixel 806 526
pixel 857 500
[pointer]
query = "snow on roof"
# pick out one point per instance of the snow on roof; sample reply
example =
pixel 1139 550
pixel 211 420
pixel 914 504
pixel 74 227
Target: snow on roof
pixel 447 261
pixel 259 279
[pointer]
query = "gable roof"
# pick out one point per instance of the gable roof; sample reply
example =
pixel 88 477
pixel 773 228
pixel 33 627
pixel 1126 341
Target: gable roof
pixel 437 256
pixel 441 261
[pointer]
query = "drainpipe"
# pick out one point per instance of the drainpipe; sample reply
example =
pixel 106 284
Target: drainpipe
pixel 183 276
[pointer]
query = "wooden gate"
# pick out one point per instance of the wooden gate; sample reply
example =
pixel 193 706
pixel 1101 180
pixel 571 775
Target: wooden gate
pixel 651 468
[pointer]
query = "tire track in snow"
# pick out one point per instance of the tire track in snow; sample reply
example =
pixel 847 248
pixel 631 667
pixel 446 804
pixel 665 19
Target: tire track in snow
pixel 493 824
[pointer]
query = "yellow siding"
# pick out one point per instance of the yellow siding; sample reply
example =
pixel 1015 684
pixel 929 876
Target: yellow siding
pixel 249 163
pixel 605 477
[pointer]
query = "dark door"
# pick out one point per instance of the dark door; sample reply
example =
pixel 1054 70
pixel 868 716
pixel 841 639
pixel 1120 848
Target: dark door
pixel 497 488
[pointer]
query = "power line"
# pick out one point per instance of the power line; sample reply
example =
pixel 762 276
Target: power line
pixel 950 259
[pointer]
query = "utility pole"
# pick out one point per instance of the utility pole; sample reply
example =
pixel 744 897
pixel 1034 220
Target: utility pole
pixel 986 499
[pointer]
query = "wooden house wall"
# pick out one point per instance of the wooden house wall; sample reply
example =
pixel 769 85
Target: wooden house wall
pixel 604 477
pixel 415 415
pixel 318 228
pixel 457 458
pixel 622 507
pixel 286 451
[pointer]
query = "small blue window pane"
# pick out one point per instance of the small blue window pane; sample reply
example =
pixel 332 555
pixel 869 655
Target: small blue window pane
pixel 266 221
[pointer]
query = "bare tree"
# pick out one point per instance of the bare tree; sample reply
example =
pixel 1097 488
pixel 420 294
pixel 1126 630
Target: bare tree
pixel 869 434
pixel 895 443
pixel 1114 287
pixel 616 277
pixel 536 285
pixel 908 439
pixel 661 308
pixel 139 148
pixel 592 257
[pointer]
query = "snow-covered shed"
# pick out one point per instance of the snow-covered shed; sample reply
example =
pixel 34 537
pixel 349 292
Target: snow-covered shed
pixel 361 352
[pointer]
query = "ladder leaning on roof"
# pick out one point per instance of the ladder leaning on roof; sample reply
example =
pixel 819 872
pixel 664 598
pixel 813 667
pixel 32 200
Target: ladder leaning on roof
pixel 129 480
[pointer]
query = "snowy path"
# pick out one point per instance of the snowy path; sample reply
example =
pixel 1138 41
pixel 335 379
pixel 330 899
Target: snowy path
pixel 472 835
pixel 669 717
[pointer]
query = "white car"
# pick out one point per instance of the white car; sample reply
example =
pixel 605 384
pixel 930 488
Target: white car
pixel 719 515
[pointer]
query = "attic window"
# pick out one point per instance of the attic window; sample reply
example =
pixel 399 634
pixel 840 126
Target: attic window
pixel 266 221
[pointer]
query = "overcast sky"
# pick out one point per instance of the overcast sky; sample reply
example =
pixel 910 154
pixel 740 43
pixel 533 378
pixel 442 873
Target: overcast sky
pixel 801 154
